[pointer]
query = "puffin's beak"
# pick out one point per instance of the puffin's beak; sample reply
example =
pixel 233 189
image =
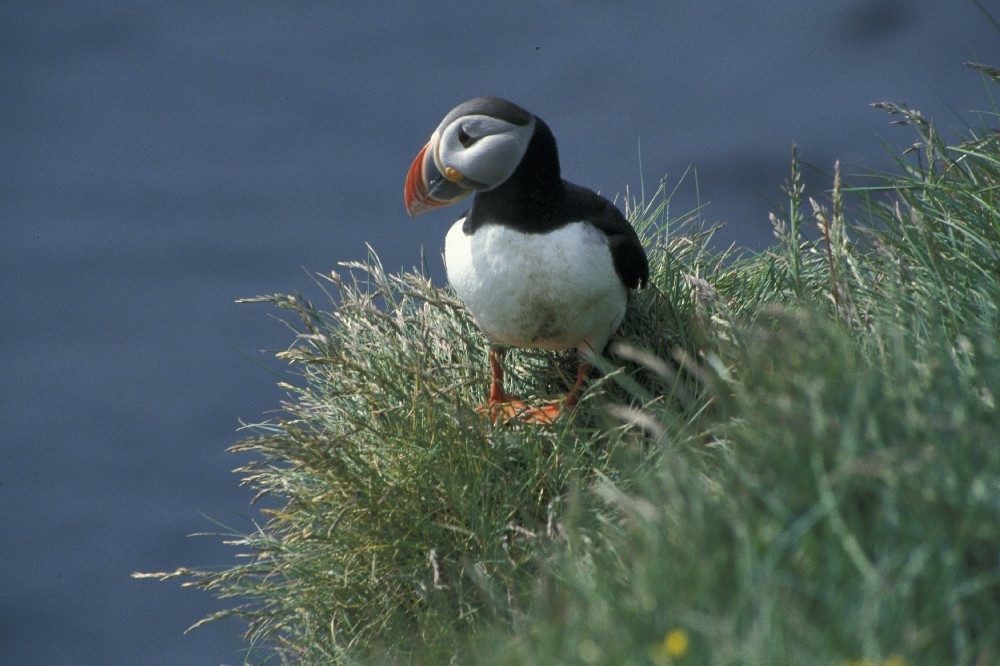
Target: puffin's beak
pixel 427 188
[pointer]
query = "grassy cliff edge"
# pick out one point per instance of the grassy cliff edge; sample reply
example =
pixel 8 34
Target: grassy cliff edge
pixel 791 457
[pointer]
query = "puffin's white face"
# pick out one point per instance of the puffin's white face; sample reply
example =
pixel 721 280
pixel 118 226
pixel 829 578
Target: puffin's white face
pixel 482 149
pixel 469 153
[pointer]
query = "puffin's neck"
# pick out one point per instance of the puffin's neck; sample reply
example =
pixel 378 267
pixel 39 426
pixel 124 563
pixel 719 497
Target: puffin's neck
pixel 527 199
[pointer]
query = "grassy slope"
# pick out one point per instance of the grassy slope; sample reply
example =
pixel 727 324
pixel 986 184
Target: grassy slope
pixel 810 476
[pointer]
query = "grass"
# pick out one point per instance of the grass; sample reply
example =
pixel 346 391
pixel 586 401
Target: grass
pixel 791 457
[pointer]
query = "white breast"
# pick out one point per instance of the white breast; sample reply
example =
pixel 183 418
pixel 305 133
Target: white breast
pixel 556 290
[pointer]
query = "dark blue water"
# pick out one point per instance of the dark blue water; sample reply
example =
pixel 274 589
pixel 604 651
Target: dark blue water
pixel 159 160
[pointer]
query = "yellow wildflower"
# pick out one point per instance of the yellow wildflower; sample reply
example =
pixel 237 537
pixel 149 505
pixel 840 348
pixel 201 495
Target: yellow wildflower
pixel 675 643
pixel 894 660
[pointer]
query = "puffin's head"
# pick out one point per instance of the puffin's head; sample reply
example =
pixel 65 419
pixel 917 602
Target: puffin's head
pixel 476 147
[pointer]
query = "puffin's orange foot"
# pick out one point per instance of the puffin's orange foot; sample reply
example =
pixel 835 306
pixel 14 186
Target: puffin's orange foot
pixel 516 410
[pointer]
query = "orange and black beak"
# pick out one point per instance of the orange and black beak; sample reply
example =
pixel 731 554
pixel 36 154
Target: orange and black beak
pixel 427 187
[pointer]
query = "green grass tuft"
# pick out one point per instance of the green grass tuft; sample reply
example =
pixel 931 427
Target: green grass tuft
pixel 791 457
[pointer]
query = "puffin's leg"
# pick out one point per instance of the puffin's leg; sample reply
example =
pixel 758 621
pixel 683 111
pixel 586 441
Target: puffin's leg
pixel 582 372
pixel 505 407
pixel 549 412
pixel 500 405
pixel 497 394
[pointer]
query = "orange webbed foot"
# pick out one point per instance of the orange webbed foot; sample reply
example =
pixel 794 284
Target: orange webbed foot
pixel 512 410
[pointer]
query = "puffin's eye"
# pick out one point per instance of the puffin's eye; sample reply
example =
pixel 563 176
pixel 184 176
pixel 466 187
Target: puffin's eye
pixel 464 138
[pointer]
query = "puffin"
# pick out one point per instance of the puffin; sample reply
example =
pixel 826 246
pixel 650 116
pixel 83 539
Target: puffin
pixel 538 261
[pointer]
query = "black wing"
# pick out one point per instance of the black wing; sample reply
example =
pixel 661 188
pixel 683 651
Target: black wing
pixel 626 249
